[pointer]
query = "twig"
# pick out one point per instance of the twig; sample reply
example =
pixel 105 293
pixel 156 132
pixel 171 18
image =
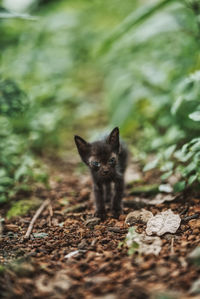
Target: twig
pixel 188 218
pixel 50 213
pixel 37 214
pixel 184 211
pixel 50 210
pixel 172 246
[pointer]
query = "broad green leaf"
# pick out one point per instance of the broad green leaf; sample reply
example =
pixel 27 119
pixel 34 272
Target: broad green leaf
pixel 151 165
pixel 5 14
pixel 135 18
pixel 166 175
pixel 167 166
pixel 180 186
pixel 169 151
pixel 195 116
pixel 192 179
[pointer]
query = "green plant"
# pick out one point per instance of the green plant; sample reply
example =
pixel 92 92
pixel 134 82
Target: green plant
pixel 153 91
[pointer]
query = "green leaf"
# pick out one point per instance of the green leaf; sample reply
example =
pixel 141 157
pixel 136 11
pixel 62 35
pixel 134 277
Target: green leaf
pixel 195 116
pixel 180 186
pixel 146 189
pixel 191 179
pixel 3 199
pixel 151 165
pixel 182 156
pixel 135 18
pixel 133 248
pixel 167 166
pixel 169 151
pixel 5 14
pixel 6 181
pixel 189 168
pixel 166 175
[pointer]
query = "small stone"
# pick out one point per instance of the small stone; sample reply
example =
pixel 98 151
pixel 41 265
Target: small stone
pixel 92 222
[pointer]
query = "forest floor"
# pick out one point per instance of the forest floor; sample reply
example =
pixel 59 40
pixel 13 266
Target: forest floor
pixel 71 255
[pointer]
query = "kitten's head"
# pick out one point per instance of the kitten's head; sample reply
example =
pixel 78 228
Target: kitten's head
pixel 100 156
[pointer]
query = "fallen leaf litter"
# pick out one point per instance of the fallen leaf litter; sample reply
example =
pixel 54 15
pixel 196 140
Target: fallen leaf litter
pixel 73 256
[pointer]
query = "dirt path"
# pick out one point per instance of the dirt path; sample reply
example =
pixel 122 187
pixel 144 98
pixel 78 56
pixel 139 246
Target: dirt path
pixel 42 267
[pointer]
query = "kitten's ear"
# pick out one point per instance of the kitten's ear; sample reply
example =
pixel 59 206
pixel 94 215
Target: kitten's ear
pixel 83 147
pixel 113 138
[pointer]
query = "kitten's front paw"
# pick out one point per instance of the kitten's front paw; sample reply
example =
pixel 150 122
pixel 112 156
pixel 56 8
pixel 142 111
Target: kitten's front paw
pixel 117 213
pixel 100 214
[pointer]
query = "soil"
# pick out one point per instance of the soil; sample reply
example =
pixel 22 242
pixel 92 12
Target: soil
pixel 72 255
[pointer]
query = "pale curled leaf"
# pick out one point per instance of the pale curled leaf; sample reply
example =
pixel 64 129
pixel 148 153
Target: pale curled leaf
pixel 160 198
pixel 162 223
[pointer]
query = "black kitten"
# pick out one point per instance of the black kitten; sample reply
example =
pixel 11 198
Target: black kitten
pixel 107 160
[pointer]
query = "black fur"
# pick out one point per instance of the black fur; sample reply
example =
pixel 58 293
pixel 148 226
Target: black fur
pixel 107 160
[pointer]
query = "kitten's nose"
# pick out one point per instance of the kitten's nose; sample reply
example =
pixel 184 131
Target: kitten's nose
pixel 105 171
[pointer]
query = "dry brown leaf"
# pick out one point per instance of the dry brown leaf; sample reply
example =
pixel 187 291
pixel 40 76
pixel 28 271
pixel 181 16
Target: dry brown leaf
pixel 141 215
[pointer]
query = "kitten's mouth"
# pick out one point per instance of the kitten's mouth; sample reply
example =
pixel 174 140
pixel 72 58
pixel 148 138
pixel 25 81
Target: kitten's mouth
pixel 105 174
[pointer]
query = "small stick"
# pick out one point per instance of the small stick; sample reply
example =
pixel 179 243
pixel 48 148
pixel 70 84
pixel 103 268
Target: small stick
pixel 50 210
pixel 172 246
pixel 188 218
pixel 50 213
pixel 184 211
pixel 37 214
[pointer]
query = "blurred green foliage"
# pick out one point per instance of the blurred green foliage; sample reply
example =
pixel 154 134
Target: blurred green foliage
pixel 75 66
pixel 152 84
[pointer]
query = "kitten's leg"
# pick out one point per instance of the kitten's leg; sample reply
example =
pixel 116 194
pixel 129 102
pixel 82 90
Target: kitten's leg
pixel 99 201
pixel 116 202
pixel 108 192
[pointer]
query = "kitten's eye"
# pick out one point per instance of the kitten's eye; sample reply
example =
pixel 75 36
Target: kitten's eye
pixel 95 163
pixel 112 160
